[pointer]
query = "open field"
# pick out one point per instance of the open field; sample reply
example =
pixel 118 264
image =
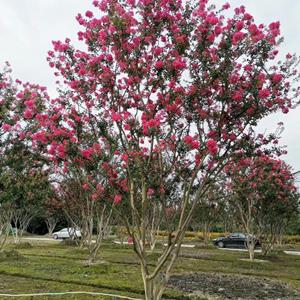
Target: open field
pixel 52 267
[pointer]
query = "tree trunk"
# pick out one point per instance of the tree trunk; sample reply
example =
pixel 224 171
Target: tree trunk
pixel 51 223
pixel 251 247
pixel 153 287
pixel 16 236
pixel 102 219
pixel 5 224
pixel 3 235
pixel 206 233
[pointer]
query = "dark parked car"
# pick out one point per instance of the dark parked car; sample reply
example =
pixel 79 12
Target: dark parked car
pixel 234 240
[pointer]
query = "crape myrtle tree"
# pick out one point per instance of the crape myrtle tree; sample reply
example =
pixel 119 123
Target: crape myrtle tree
pixel 264 195
pixel 6 102
pixel 53 211
pixel 209 209
pixel 23 178
pixel 279 204
pixel 85 209
pixel 25 185
pixel 162 91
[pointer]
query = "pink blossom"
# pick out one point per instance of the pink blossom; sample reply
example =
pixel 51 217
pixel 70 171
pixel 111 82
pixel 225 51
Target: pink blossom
pixel 61 151
pixel 124 157
pixel 237 96
pixel 89 14
pixel 159 65
pixel 180 39
pixel 188 139
pixel 226 6
pixel 212 147
pixel 239 25
pixel 94 197
pixel 6 127
pixel 274 25
pixel 87 153
pixel 150 192
pixel 40 136
pixel 248 68
pixel 29 103
pixel 153 123
pixel 28 114
pixel 237 37
pixel 179 64
pixel 117 199
pixel 85 186
pixel 211 37
pixel 264 93
pixel 212 20
pixel 276 78
pixel 232 137
pixel 116 117
pixel 248 17
pixel 253 29
pixel 195 144
pixel 127 127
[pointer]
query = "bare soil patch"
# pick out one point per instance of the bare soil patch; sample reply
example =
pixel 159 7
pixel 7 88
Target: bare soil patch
pixel 237 287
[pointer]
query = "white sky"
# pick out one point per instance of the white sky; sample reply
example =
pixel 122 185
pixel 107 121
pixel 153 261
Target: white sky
pixel 27 28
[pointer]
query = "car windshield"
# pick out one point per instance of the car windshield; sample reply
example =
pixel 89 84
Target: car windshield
pixel 237 235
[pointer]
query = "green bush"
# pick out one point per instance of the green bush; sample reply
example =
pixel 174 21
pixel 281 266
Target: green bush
pixel 291 239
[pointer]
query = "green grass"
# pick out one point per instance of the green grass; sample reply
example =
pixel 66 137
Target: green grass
pixel 56 268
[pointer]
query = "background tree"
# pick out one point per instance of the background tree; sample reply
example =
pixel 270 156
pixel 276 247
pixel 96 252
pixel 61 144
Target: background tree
pixel 209 210
pixel 23 180
pixel 53 211
pixel 264 193
pixel 86 209
pixel 279 203
pixel 26 186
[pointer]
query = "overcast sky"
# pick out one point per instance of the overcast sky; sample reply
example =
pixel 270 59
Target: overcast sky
pixel 27 28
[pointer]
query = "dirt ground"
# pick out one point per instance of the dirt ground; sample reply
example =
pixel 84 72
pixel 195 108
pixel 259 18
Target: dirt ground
pixel 237 287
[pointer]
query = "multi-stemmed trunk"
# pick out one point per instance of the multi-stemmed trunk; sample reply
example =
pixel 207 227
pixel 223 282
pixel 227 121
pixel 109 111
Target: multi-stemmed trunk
pixel 155 220
pixel 21 219
pixel 5 219
pixel 102 218
pixel 206 232
pixel 4 229
pixel 51 223
pixel 251 241
pixel 247 218
pixel 155 280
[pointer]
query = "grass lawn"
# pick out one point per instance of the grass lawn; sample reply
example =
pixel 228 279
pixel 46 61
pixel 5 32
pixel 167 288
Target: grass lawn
pixel 50 267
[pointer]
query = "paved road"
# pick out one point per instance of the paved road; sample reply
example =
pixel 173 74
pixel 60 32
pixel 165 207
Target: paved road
pixel 240 250
pixel 292 252
pixel 46 239
pixel 259 251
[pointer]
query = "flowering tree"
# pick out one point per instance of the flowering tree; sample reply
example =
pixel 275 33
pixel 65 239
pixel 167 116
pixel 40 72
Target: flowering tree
pixel 23 180
pixel 53 211
pixel 209 209
pixel 5 119
pixel 264 194
pixel 83 210
pixel 162 96
pixel 279 202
